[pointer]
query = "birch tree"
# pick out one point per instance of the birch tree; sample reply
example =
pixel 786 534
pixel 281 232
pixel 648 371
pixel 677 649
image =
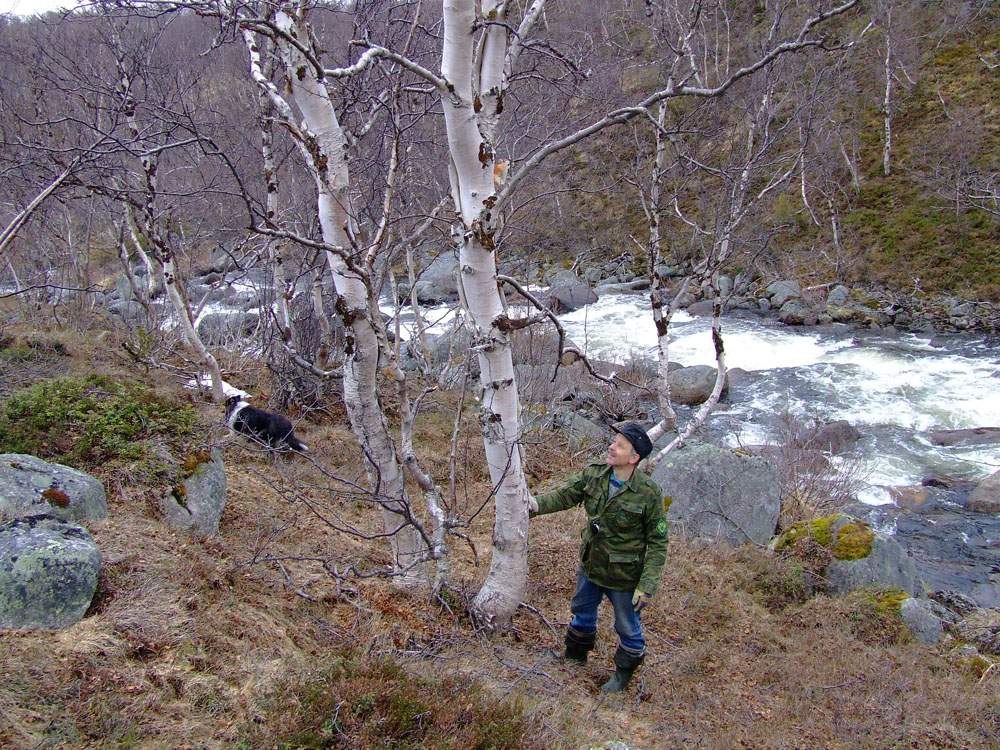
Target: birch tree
pixel 480 52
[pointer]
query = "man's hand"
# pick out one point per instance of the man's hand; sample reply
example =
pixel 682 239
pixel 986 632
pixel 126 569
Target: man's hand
pixel 640 599
pixel 532 504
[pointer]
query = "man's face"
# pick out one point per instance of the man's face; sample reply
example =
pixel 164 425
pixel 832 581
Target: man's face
pixel 621 452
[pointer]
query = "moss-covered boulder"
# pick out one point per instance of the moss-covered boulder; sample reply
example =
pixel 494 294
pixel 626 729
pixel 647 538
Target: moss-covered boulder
pixel 860 556
pixel 31 486
pixel 48 572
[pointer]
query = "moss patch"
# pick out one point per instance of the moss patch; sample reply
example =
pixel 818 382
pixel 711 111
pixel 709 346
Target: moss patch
pixel 846 541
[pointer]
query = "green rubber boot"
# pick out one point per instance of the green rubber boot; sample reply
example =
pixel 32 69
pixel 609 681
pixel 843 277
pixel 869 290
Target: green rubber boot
pixel 578 645
pixel 625 666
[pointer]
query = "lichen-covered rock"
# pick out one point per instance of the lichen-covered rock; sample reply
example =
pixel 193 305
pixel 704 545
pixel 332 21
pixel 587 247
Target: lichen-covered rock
pixel 718 494
pixel 31 486
pixel 922 622
pixel 48 572
pixel 196 504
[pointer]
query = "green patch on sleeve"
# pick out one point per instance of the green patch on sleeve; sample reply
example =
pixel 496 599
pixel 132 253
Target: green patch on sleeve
pixel 661 527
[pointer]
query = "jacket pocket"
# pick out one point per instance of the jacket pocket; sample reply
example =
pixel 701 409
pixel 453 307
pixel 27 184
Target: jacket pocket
pixel 625 567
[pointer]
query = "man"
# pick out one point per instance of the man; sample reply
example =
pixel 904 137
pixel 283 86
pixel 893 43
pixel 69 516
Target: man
pixel 623 549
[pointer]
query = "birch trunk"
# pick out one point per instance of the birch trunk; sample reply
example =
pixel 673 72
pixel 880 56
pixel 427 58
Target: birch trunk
pixel 324 146
pixel 470 110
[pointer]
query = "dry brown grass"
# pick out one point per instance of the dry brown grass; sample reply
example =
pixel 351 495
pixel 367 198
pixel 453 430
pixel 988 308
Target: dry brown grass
pixel 245 640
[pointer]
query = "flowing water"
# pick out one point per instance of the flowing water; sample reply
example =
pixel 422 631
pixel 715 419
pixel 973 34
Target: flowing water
pixel 893 387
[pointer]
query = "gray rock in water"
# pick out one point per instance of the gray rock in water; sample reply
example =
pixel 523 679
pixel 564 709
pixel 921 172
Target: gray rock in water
pixel 797 312
pixel 563 299
pixel 438 280
pixel 30 486
pixel 974 436
pixel 48 572
pixel 833 437
pixel 922 622
pixel 693 385
pixel 220 328
pixel 781 291
pixel 985 498
pixel 198 503
pixel 561 277
pixel 718 494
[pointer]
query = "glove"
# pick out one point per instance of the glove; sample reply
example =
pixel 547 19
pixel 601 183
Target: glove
pixel 532 504
pixel 640 599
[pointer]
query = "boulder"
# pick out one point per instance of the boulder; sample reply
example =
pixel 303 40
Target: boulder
pixel 715 493
pixel 48 572
pixel 864 558
pixel 561 277
pixel 31 486
pixel 838 296
pixel 833 437
pixel 583 433
pixel 220 327
pixel 797 312
pixel 974 436
pixel 567 298
pixel 921 620
pixel 704 307
pixel 197 503
pixel 781 291
pixel 693 385
pixel 437 282
pixel 861 557
pixel 985 498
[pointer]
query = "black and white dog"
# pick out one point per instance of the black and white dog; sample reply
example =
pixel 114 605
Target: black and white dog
pixel 273 430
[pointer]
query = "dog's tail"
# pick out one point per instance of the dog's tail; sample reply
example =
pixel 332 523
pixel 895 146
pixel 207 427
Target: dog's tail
pixel 295 444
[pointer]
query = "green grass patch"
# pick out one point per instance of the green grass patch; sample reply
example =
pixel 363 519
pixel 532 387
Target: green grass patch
pixel 100 425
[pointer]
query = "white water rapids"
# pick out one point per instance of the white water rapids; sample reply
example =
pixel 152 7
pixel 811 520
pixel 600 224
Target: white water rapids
pixel 893 387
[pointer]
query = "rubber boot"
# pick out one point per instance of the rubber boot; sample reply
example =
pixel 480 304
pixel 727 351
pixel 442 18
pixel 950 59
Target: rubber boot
pixel 578 645
pixel 625 666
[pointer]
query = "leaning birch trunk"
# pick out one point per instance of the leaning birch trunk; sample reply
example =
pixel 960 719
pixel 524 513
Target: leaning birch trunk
pixel 473 190
pixel 326 153
pixel 191 337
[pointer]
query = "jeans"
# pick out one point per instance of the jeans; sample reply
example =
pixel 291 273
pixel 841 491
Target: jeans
pixel 584 608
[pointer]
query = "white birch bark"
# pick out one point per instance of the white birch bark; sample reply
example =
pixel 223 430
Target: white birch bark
pixel 475 88
pixel 324 147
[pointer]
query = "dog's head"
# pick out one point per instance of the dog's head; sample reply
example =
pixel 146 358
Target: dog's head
pixel 232 402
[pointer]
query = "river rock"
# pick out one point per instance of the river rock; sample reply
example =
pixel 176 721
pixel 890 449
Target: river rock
pixel 886 565
pixel 985 498
pixel 838 296
pixel 718 494
pixel 563 299
pixel 921 620
pixel 798 312
pixel 48 572
pixel 197 504
pixel 693 385
pixel 30 486
pixel 832 437
pixel 222 327
pixel 954 550
pixel 781 291
pixel 974 436
pixel 437 282
pixel 622 287
pixel 862 557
